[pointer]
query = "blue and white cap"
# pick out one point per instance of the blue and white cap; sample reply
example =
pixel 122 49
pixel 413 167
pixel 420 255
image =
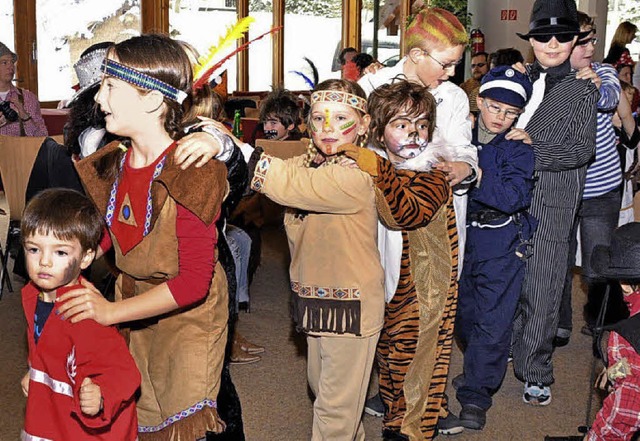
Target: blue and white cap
pixel 506 85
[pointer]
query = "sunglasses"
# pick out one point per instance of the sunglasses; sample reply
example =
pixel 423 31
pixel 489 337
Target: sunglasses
pixel 562 38
pixel 586 41
pixel 478 65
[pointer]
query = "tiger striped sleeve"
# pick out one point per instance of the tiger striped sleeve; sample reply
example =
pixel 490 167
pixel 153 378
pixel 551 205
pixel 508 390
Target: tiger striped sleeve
pixel 412 197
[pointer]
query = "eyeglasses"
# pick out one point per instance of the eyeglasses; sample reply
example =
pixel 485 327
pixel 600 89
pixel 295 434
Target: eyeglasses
pixel 586 41
pixel 562 38
pixel 496 110
pixel 478 65
pixel 444 66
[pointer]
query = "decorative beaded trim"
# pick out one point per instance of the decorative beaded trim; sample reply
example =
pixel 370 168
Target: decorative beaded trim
pixel 260 173
pixel 111 206
pixel 179 416
pixel 324 292
pixel 337 96
pixel 140 79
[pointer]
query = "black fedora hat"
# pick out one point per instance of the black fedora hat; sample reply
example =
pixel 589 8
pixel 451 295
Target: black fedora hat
pixel 553 17
pixel 620 260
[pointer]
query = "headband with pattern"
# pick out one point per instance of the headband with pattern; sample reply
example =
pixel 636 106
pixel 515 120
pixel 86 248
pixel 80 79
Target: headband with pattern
pixel 337 96
pixel 140 79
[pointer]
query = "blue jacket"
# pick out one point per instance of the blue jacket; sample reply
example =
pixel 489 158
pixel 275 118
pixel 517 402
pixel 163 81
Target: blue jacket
pixel 506 186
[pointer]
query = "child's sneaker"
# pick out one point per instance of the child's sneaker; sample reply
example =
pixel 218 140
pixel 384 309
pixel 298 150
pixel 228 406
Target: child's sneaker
pixel 536 394
pixel 374 407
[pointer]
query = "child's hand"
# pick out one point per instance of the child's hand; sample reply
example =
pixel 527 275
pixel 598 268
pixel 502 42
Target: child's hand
pixel 366 159
pixel 90 397
pixel 25 384
pixel 199 146
pixel 456 171
pixel 519 135
pixel 586 73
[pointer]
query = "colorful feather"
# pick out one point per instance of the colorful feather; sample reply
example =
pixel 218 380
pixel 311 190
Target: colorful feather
pixel 306 79
pixel 234 33
pixel 203 78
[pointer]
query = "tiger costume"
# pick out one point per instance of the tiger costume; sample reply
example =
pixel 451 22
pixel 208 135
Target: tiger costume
pixel 415 344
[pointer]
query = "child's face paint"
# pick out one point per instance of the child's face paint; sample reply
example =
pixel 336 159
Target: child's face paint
pixel 274 129
pixel 341 124
pixel 406 136
pixel 327 118
pixel 53 263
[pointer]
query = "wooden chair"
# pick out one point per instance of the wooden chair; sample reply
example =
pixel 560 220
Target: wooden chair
pixel 17 155
pixel 282 149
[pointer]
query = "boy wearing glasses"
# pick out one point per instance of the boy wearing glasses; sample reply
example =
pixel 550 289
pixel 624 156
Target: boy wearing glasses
pixel 498 231
pixel 600 208
pixel 561 121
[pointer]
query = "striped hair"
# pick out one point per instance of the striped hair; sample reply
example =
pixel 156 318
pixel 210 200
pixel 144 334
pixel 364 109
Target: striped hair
pixel 435 27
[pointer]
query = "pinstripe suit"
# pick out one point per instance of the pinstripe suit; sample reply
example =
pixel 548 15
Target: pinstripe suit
pixel 563 129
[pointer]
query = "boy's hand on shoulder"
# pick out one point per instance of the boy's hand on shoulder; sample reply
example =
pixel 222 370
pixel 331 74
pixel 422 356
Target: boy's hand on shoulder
pixel 25 384
pixel 586 73
pixel 519 135
pixel 90 397
pixel 456 171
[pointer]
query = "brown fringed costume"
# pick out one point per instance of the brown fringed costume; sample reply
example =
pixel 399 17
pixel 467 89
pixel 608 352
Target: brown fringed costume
pixel 179 354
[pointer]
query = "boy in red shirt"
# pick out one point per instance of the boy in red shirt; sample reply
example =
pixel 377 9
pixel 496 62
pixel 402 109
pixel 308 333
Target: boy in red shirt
pixel 82 380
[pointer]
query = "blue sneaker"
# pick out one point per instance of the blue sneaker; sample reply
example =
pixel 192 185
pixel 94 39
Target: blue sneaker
pixel 450 425
pixel 536 394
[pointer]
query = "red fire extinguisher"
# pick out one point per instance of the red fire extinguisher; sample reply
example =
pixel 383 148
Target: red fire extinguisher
pixel 477 41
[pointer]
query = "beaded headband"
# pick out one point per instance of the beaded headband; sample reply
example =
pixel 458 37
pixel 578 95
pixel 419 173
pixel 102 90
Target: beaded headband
pixel 140 79
pixel 337 96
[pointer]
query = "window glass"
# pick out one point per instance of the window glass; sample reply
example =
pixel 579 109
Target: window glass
pixel 65 28
pixel 388 46
pixel 6 23
pixel 201 23
pixel 261 51
pixel 312 30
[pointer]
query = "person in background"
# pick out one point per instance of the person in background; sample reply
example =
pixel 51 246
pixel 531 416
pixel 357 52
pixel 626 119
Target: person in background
pixel 479 68
pixel 82 381
pixel 280 116
pixel 19 108
pixel 498 230
pixel 624 34
pixel 560 119
pixel 505 57
pixel 362 61
pixel 620 261
pixel 346 61
pixel 599 209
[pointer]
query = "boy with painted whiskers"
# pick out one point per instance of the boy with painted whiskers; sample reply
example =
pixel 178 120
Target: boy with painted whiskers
pixel 418 242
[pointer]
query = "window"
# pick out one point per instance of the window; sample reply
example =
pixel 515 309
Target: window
pixel 312 30
pixel 6 23
pixel 261 51
pixel 201 23
pixel 388 46
pixel 62 37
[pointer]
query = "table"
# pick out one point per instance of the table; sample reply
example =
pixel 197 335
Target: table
pixel 55 120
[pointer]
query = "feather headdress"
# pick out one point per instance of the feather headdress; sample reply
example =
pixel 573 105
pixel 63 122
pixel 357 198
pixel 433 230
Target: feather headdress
pixel 234 33
pixel 314 70
pixel 206 66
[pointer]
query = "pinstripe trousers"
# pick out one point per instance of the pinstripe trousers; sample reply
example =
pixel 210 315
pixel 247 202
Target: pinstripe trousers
pixel 539 308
